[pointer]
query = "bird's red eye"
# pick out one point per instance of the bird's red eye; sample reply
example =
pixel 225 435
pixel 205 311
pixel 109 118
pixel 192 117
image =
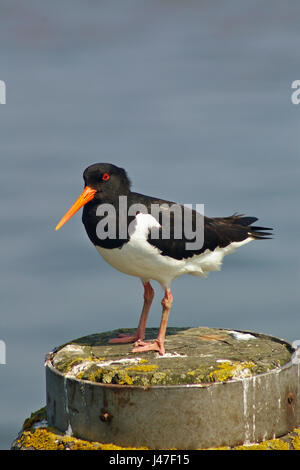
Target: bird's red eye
pixel 105 176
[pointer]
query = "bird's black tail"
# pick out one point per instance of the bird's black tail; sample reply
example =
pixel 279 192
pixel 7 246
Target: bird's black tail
pixel 259 233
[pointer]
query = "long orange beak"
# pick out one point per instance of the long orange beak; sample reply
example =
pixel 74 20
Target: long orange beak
pixel 86 196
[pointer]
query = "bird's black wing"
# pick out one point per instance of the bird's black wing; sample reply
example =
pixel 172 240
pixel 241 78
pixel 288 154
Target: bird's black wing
pixel 209 233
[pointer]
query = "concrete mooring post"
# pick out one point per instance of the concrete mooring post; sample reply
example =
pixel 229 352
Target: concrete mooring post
pixel 213 388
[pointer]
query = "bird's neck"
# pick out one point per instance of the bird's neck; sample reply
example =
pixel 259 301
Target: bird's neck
pixel 104 213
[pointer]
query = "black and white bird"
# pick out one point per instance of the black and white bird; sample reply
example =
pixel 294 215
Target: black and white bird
pixel 136 244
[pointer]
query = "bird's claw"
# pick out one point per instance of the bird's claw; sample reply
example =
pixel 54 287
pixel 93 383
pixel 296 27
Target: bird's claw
pixel 141 346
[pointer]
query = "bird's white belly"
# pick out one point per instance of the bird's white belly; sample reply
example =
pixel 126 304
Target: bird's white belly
pixel 139 258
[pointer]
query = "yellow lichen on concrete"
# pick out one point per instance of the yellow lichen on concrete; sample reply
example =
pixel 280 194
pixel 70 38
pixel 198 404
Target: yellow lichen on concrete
pixel 139 374
pixel 44 439
pixel 231 370
pixel 66 367
pixel 272 444
pixel 158 378
pixel 296 439
pixel 143 368
pixel 112 375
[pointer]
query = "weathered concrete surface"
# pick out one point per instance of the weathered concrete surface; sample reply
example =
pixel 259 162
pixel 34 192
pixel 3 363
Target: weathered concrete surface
pixel 37 435
pixel 213 388
pixel 194 355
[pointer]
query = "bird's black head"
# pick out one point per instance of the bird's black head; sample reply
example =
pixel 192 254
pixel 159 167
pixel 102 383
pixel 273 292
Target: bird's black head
pixel 108 180
pixel 104 182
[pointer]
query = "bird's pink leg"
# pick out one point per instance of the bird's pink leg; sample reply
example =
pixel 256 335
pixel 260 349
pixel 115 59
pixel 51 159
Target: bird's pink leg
pixel 140 332
pixel 158 344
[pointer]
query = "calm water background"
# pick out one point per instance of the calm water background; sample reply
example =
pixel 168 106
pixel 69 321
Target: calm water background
pixel 193 99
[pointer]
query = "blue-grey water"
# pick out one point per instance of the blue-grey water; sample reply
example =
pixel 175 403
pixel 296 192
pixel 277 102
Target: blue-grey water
pixel 194 100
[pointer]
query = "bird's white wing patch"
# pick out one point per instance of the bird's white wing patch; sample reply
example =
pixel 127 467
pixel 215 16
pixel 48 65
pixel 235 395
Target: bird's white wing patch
pixel 140 227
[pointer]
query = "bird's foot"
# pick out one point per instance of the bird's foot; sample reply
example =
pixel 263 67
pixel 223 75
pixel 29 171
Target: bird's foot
pixel 141 346
pixel 122 338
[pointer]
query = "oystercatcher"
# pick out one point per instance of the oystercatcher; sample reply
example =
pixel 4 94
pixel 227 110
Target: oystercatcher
pixel 135 242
